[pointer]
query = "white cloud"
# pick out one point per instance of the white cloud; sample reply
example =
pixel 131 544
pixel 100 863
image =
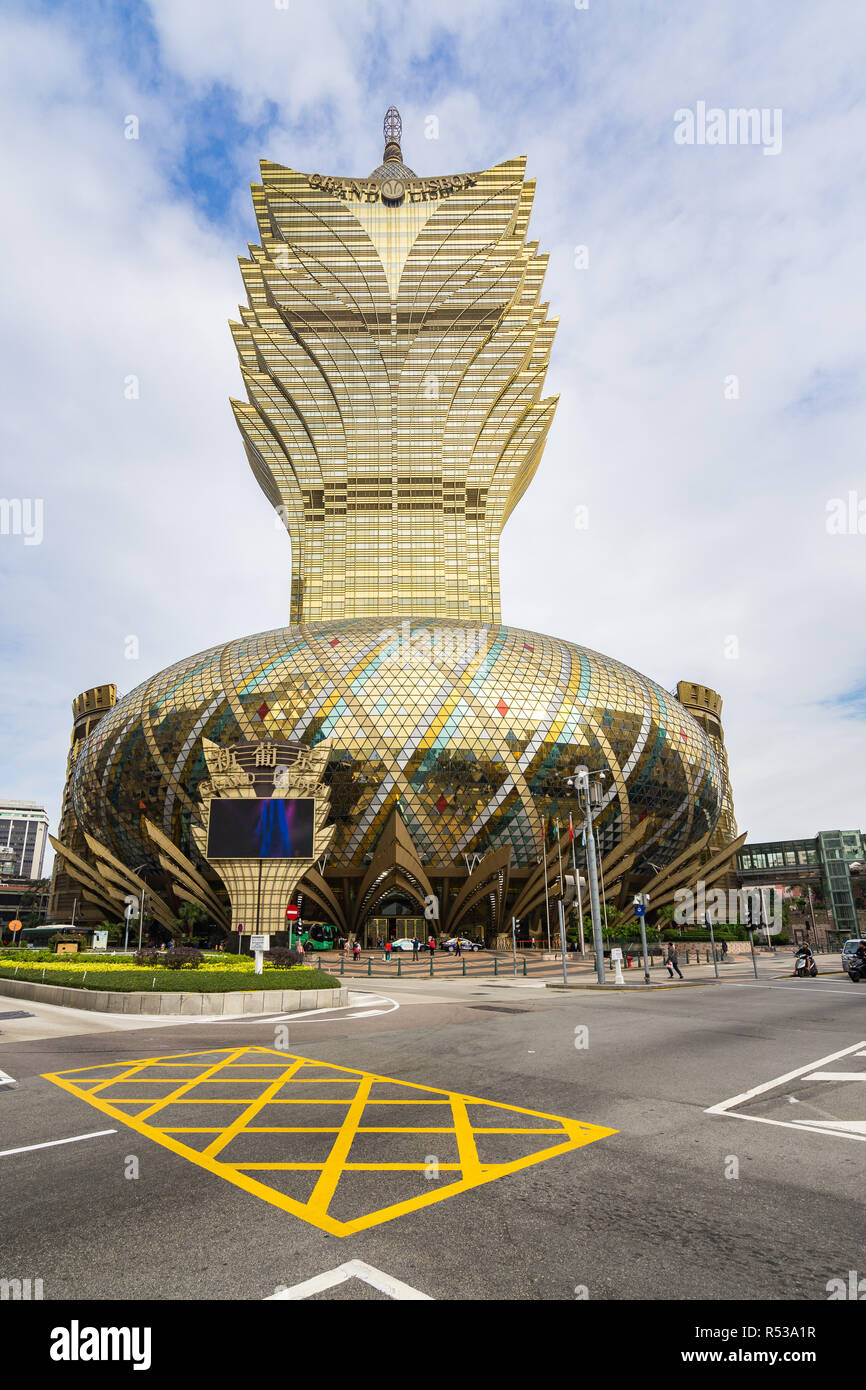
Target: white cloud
pixel 706 515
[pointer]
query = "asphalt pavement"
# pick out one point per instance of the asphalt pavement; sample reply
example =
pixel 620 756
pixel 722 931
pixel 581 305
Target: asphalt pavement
pixel 470 1139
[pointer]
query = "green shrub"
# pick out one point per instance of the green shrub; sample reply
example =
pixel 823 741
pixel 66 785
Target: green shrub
pixel 182 958
pixel 147 957
pixel 192 981
pixel 282 957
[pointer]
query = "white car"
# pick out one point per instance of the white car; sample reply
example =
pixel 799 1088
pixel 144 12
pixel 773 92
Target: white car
pixel 404 943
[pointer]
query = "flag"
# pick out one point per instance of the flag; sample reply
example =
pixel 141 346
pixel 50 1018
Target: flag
pixel 570 829
pixel 556 830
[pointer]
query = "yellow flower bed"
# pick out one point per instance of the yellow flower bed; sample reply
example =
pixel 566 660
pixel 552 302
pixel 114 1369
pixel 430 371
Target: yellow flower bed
pixel 243 963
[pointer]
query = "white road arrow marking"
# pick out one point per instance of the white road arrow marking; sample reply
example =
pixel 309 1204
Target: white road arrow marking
pixel 353 1269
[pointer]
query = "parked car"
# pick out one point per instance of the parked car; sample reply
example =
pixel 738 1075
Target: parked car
pixel 404 943
pixel 465 944
pixel 849 951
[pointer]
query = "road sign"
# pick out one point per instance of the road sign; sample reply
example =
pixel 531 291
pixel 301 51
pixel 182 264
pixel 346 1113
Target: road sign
pixel 639 910
pixel 260 943
pixel 616 953
pixel 15 926
pixel 292 913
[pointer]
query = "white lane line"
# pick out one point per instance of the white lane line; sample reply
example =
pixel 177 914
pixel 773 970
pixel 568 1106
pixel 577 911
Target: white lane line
pixel 855 1127
pixel 836 1076
pixel 368 1012
pixel 749 984
pixel 726 1105
pixel 353 1269
pixel 305 1016
pixel 7 1080
pixel 815 1126
pixel 52 1143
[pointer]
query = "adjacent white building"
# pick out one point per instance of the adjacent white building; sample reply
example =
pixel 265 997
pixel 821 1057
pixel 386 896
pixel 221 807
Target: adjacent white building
pixel 23 833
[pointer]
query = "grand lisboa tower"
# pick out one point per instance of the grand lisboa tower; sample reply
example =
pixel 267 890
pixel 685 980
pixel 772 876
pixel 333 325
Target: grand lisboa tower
pixel 393 350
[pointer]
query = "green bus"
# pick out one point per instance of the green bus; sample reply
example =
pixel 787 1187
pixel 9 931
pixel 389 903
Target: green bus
pixel 322 936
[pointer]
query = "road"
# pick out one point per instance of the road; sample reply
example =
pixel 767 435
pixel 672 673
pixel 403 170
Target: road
pixel 649 1193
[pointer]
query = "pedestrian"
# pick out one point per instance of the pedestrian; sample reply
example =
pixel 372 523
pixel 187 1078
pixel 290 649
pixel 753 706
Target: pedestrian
pixel 431 947
pixel 388 951
pixel 673 961
pixel 356 950
pixel 724 950
pixel 416 948
pixel 457 948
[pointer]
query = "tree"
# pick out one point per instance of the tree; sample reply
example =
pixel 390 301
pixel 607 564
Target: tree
pixel 115 931
pixel 192 920
pixel 29 908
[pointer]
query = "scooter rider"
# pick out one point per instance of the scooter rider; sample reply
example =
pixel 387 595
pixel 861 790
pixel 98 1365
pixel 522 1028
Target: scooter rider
pixel 803 957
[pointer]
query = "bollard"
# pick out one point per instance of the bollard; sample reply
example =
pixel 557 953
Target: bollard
pixel 369 965
pixel 524 965
pixel 464 965
pixel 431 962
pixel 342 965
pixel 399 966
pixel 495 965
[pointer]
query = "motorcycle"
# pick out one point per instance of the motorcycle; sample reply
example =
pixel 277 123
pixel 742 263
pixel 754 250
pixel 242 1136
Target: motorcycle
pixel 857 970
pixel 805 965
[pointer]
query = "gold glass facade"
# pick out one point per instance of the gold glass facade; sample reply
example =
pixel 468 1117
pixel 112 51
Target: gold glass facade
pixel 393 351
pixel 469 733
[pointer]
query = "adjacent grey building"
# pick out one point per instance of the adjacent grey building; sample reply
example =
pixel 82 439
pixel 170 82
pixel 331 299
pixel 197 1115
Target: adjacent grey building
pixel 23 833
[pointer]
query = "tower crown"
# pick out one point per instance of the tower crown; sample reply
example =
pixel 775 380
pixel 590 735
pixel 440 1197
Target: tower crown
pixel 394 349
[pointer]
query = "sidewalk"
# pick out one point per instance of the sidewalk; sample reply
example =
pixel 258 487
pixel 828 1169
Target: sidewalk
pixel 489 965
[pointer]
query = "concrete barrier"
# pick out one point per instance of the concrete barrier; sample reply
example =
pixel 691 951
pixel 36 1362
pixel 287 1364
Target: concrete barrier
pixel 152 1003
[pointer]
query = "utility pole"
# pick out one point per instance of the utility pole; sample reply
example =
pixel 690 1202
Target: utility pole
pixel 582 781
pixel 640 907
pixel 577 885
pixel 562 941
pixel 141 916
pixel 514 943
pixel 708 920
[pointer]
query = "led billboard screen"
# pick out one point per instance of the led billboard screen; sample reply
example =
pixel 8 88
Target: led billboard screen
pixel 261 828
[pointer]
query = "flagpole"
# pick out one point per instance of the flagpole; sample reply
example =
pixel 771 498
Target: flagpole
pixel 561 880
pixel 601 872
pixel 576 884
pixel 546 897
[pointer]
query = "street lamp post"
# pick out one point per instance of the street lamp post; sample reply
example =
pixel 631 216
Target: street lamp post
pixel 141 898
pixel 581 781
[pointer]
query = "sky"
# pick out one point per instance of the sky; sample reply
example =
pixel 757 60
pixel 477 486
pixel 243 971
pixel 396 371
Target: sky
pixel 700 509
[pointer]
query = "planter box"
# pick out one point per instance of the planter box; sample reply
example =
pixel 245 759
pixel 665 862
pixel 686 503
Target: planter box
pixel 154 1002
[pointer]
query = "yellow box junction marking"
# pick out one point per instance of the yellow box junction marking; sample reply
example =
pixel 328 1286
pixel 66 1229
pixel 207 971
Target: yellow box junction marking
pixel 140 1093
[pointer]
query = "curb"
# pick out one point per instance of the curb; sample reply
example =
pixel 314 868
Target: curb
pixel 264 1001
pixel 638 988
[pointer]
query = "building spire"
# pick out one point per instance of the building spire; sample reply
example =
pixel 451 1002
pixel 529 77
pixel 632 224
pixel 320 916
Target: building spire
pixel 393 132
